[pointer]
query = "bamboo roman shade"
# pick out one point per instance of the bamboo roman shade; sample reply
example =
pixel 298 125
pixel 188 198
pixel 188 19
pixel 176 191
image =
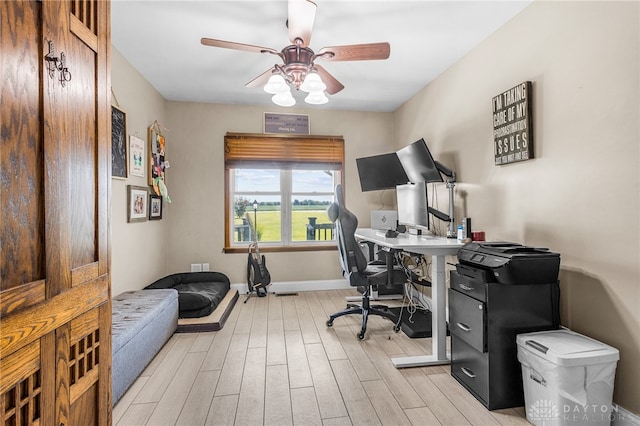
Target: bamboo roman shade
pixel 245 150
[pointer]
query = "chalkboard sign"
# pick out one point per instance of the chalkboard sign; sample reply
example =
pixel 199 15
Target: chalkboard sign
pixel 119 166
pixel 512 125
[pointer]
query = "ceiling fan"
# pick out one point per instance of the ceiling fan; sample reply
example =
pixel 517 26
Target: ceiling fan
pixel 299 68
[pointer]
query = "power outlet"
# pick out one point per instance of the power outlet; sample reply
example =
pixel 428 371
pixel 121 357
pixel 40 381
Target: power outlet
pixel 196 267
pixel 205 267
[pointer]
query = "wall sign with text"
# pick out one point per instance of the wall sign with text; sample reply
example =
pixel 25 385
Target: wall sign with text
pixel 286 123
pixel 512 125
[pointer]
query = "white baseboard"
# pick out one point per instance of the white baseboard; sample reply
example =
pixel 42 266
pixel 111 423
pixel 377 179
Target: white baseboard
pixel 293 286
pixel 622 417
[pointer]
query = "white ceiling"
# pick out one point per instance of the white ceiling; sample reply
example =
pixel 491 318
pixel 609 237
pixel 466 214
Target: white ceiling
pixel 161 39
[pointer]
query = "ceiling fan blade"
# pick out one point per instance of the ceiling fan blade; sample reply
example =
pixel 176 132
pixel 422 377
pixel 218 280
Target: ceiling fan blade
pixel 236 46
pixel 355 52
pixel 333 85
pixel 302 13
pixel 260 80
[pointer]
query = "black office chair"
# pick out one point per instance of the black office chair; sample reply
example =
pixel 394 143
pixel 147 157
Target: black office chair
pixel 356 269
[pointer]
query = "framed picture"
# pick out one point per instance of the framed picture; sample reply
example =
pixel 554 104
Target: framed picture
pixel 137 203
pixel 155 207
pixel 513 125
pixel 136 156
pixel 286 123
pixel 119 168
pixel 156 157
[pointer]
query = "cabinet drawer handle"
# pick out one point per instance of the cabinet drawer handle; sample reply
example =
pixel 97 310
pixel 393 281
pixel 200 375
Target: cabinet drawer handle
pixel 468 372
pixel 466 287
pixel 463 327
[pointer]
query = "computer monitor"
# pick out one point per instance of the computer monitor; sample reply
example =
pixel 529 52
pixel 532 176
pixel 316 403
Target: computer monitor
pixel 413 209
pixel 418 163
pixel 380 172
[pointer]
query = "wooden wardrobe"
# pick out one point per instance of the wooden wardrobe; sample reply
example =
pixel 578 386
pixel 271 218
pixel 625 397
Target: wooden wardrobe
pixel 55 309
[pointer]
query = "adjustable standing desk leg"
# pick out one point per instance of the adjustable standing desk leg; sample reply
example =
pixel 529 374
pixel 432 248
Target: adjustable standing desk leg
pixel 438 321
pixel 439 310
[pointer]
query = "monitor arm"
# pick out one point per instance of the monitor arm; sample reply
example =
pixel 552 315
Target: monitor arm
pixel 437 213
pixel 451 183
pixel 446 171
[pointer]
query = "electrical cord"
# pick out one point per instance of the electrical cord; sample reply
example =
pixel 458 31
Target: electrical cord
pixel 382 199
pixel 418 266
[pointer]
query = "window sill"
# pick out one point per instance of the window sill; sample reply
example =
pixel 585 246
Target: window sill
pixel 282 249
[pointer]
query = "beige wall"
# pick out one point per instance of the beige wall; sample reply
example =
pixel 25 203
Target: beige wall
pixel 579 196
pixel 195 182
pixel 138 250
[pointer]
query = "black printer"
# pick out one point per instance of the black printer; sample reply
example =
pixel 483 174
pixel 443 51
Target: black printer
pixel 508 263
pixel 498 290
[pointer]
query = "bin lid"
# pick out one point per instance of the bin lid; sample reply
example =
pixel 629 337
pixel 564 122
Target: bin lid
pixel 567 348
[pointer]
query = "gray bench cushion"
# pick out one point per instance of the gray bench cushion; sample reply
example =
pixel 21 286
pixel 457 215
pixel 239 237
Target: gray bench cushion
pixel 142 322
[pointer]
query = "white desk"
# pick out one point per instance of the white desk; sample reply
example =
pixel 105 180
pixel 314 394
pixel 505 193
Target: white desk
pixel 437 248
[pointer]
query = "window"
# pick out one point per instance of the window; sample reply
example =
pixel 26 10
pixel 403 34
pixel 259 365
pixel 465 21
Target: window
pixel 280 186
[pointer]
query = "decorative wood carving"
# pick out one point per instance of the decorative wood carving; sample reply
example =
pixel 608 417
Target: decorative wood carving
pixel 21 394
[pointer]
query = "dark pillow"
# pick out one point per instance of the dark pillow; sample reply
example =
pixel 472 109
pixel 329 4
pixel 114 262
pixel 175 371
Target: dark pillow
pixel 199 293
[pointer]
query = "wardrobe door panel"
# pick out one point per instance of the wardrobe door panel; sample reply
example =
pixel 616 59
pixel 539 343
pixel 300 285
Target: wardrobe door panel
pixel 55 307
pixel 21 387
pixel 21 156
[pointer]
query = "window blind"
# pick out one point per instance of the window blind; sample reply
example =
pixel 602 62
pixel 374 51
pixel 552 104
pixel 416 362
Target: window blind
pixel 245 150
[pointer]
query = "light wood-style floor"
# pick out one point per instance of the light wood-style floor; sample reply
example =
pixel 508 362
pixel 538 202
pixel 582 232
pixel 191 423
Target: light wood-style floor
pixel 276 363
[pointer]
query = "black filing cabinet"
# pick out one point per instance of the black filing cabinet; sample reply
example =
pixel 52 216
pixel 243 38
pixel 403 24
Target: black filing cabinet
pixel 484 318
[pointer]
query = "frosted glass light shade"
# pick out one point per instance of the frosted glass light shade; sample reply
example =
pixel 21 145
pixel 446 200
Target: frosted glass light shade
pixel 284 99
pixel 276 85
pixel 316 98
pixel 312 83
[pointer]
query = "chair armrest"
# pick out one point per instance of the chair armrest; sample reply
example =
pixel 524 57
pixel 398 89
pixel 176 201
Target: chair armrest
pixel 352 263
pixel 352 274
pixel 371 247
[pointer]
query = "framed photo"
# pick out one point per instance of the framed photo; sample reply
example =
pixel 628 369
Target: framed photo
pixel 136 156
pixel 137 203
pixel 155 207
pixel 119 168
pixel 156 157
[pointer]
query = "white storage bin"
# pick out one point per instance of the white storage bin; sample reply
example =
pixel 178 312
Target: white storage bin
pixel 567 377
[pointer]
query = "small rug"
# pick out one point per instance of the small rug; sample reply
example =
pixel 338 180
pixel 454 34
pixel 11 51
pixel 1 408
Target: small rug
pixel 417 325
pixel 212 322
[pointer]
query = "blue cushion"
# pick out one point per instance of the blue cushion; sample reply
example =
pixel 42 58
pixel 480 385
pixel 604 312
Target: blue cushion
pixel 133 310
pixel 142 322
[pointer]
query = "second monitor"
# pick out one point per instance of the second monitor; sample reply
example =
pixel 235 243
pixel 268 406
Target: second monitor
pixel 413 209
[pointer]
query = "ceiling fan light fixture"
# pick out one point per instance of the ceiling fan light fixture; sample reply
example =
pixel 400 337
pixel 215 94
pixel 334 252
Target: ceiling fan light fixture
pixel 276 85
pixel 284 99
pixel 316 98
pixel 312 83
pixel 298 69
